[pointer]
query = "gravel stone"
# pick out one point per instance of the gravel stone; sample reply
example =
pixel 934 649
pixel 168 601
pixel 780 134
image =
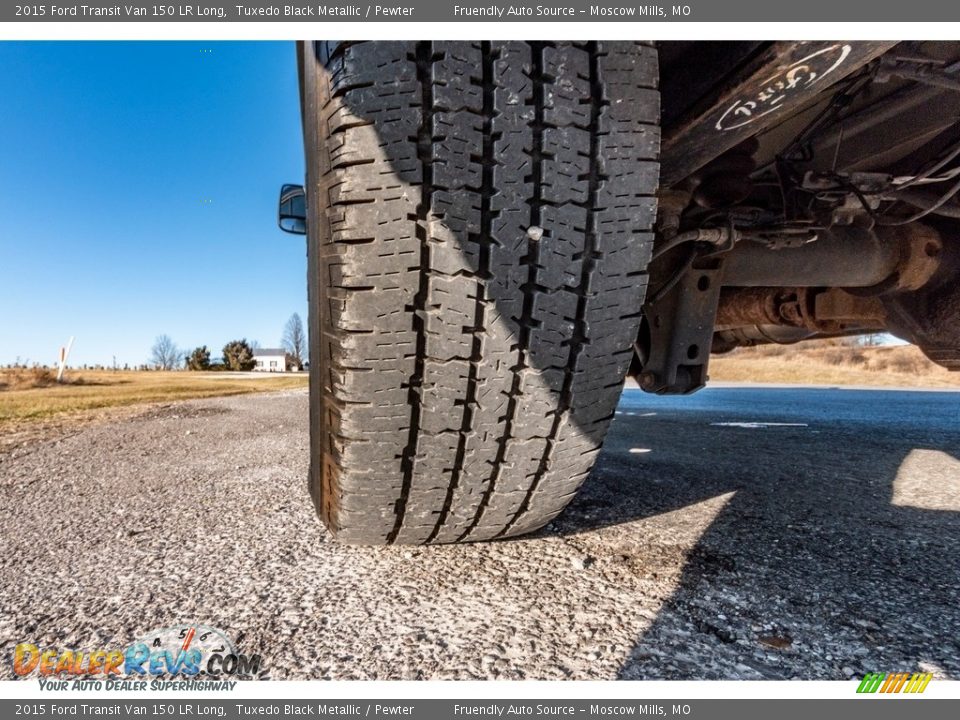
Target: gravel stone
pixel 695 549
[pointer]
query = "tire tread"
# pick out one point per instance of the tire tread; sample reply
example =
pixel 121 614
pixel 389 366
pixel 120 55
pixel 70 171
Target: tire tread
pixel 468 371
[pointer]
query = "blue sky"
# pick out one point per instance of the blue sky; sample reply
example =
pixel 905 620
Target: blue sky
pixel 138 187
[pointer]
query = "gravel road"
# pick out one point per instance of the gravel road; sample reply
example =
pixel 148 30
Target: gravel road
pixel 740 533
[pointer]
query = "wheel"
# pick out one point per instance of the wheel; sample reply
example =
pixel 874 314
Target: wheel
pixel 479 223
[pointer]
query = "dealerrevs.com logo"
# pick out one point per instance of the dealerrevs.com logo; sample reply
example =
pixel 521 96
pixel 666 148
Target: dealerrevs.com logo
pixel 184 657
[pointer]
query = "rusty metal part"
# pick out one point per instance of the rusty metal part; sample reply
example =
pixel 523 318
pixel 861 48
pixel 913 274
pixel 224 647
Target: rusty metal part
pixel 751 306
pixel 677 332
pixel 892 259
pixel 752 294
pixel 670 206
pixel 930 316
pixel 921 248
pixel 840 257
pixel 839 307
pixel 754 316
pixel 750 335
pixel 726 340
pixel 827 311
pixel 779 80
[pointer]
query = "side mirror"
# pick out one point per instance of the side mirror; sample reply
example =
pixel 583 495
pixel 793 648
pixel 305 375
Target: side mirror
pixel 292 214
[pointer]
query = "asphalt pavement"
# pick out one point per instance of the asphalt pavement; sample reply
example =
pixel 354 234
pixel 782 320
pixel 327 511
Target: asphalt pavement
pixel 739 533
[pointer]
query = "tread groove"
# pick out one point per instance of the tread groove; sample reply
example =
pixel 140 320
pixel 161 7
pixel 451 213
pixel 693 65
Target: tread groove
pixel 424 60
pixel 526 319
pixel 590 253
pixel 484 241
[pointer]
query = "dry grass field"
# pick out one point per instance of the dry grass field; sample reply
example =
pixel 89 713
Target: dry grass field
pixel 832 363
pixel 33 395
pixel 33 404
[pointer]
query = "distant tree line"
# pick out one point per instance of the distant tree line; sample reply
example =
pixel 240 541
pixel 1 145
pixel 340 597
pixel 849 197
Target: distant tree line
pixel 236 354
pixel 19 364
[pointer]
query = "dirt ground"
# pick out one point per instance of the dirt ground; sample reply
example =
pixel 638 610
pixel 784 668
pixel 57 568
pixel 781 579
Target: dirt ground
pixel 742 533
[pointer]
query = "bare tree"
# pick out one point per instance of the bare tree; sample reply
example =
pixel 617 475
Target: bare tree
pixel 165 355
pixel 295 340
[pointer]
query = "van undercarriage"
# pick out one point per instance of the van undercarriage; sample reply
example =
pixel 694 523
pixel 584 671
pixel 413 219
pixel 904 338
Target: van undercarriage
pixel 500 232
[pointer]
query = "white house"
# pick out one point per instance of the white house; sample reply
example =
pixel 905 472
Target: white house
pixel 270 360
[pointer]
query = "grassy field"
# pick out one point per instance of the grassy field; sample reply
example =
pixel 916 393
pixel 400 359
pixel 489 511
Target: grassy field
pixel 32 402
pixel 831 363
pixel 33 395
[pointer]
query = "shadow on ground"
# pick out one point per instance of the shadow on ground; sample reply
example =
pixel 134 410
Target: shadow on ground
pixel 839 539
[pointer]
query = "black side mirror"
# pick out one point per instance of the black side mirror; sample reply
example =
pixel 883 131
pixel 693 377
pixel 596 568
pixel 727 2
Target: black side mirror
pixel 292 214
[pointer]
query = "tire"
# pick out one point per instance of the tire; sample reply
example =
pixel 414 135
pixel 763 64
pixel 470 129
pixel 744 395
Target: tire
pixel 466 366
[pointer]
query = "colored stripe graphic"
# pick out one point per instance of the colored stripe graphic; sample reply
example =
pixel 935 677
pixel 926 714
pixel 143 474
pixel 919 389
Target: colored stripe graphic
pixel 923 682
pixel 888 683
pixel 870 683
pixel 894 683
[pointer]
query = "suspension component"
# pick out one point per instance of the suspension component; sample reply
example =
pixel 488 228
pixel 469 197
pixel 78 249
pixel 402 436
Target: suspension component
pixel 838 285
